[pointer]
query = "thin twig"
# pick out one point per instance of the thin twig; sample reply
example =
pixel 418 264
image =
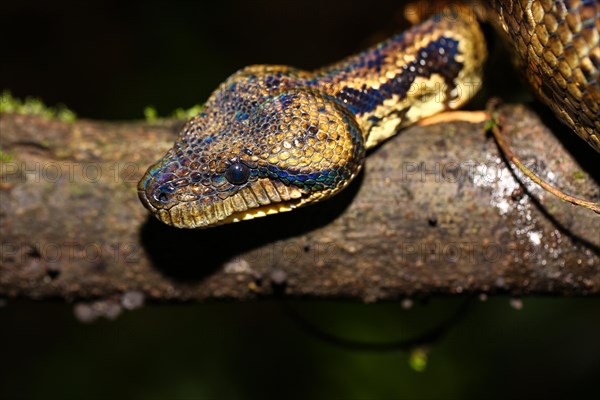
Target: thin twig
pixel 494 126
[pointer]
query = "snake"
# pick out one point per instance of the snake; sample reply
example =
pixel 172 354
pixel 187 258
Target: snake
pixel 272 138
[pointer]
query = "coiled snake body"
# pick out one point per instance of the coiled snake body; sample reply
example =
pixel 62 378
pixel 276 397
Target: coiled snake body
pixel 273 138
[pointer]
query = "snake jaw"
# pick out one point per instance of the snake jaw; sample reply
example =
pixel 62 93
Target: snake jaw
pixel 200 214
pixel 188 210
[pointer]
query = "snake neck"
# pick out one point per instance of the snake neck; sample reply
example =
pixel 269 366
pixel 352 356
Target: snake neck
pixel 432 67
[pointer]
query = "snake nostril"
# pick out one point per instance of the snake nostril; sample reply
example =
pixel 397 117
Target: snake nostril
pixel 162 197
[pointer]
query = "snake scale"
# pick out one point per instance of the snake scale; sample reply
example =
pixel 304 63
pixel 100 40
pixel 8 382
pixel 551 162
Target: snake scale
pixel 274 138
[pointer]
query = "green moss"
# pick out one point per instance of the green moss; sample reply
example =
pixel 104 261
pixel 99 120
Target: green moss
pixel 418 360
pixel 490 124
pixel 5 157
pixel 579 175
pixel 151 114
pixel 33 106
pixel 180 113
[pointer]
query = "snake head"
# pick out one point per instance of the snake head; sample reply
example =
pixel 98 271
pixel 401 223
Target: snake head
pixel 251 154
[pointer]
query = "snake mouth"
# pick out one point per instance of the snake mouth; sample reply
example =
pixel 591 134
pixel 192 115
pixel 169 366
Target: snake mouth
pixel 197 216
pixel 260 198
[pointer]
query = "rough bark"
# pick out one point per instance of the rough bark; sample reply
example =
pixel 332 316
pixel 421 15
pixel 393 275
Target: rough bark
pixel 436 210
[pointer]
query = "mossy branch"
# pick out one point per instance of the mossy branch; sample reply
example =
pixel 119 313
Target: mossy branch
pixel 436 210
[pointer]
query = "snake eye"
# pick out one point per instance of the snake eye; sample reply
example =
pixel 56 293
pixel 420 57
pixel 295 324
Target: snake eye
pixel 237 173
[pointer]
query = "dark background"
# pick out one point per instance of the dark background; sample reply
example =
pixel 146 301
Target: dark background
pixel 109 60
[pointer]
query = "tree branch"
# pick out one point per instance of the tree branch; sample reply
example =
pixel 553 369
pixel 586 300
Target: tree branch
pixel 436 210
